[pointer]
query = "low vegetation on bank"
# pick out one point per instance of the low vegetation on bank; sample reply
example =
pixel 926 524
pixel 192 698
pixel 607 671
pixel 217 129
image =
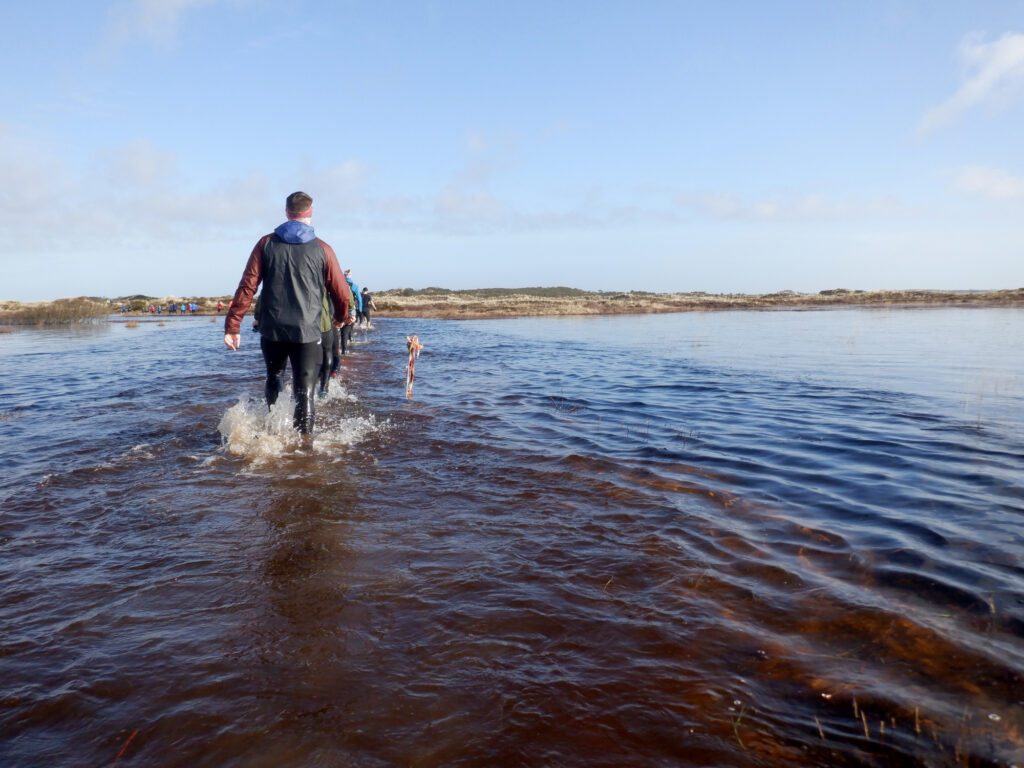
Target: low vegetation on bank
pixel 443 303
pixel 87 308
pixel 56 312
pixel 519 302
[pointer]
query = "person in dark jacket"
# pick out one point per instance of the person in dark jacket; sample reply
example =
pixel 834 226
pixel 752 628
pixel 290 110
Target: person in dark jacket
pixel 367 303
pixel 295 268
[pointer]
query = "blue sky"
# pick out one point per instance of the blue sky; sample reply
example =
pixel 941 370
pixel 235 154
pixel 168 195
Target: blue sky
pixel 667 146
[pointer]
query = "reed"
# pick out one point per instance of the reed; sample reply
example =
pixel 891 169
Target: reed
pixel 59 312
pixel 736 726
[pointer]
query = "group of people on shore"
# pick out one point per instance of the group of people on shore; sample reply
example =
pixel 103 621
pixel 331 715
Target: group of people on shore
pixel 171 309
pixel 305 312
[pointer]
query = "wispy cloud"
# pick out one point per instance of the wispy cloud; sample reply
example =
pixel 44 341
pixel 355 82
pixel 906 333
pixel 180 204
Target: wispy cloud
pixel 990 183
pixel 135 193
pixel 139 164
pixel 344 193
pixel 154 21
pixel 128 193
pixel 993 74
pixel 793 208
pixel 467 203
pixel 484 158
pixel 31 171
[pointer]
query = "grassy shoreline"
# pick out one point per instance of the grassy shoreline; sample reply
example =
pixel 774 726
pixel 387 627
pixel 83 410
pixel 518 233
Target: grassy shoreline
pixel 530 302
pixel 439 303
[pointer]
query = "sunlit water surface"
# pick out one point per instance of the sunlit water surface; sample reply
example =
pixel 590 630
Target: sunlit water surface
pixel 704 539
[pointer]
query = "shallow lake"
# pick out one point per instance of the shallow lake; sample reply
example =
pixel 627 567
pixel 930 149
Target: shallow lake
pixel 713 538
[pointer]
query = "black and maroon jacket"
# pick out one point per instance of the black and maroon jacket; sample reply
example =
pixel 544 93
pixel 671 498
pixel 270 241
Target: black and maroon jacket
pixel 295 268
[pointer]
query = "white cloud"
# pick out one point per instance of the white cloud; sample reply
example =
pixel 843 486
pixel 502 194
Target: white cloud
pixel 993 74
pixel 154 21
pixel 484 158
pixel 134 198
pixel 31 171
pixel 343 194
pixel 129 193
pixel 809 207
pixel 138 163
pixel 991 183
pixel 478 205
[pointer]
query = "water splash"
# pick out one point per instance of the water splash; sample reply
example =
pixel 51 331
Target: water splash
pixel 250 430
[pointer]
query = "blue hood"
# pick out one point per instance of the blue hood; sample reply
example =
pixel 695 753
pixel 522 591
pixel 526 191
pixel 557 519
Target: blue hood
pixel 355 292
pixel 295 232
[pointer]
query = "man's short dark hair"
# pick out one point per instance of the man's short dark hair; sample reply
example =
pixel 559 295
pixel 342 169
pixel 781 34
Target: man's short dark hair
pixel 298 202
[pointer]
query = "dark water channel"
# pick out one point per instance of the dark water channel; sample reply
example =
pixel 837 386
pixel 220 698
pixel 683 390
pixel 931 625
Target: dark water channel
pixel 706 539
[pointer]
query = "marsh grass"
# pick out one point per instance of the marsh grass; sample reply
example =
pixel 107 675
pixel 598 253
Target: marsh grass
pixel 89 308
pixel 59 312
pixel 967 741
pixel 530 302
pixel 523 302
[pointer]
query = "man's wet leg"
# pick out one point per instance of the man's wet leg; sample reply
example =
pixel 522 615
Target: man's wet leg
pixel 275 355
pixel 305 360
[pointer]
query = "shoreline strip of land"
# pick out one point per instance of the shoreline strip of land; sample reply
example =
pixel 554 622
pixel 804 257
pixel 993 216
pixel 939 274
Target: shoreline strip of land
pixel 528 302
pixel 498 304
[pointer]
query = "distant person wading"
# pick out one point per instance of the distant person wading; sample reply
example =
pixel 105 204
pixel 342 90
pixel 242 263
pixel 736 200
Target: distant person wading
pixel 367 305
pixel 295 268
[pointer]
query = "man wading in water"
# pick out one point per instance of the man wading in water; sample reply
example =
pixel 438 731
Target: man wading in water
pixel 296 268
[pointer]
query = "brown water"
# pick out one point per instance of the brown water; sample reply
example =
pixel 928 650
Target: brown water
pixel 736 539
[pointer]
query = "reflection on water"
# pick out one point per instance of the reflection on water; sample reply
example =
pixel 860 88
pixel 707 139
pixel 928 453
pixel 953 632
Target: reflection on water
pixel 780 538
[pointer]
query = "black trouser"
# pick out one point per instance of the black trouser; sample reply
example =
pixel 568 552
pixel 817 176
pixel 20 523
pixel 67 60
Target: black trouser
pixel 305 360
pixel 346 338
pixel 336 348
pixel 330 362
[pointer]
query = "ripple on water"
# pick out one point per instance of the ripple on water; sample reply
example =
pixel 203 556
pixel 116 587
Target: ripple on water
pixel 630 541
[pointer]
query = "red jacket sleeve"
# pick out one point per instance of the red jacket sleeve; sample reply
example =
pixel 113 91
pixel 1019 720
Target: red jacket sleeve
pixel 336 285
pixel 247 287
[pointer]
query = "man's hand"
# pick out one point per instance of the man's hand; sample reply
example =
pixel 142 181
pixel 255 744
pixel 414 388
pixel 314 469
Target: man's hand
pixel 232 340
